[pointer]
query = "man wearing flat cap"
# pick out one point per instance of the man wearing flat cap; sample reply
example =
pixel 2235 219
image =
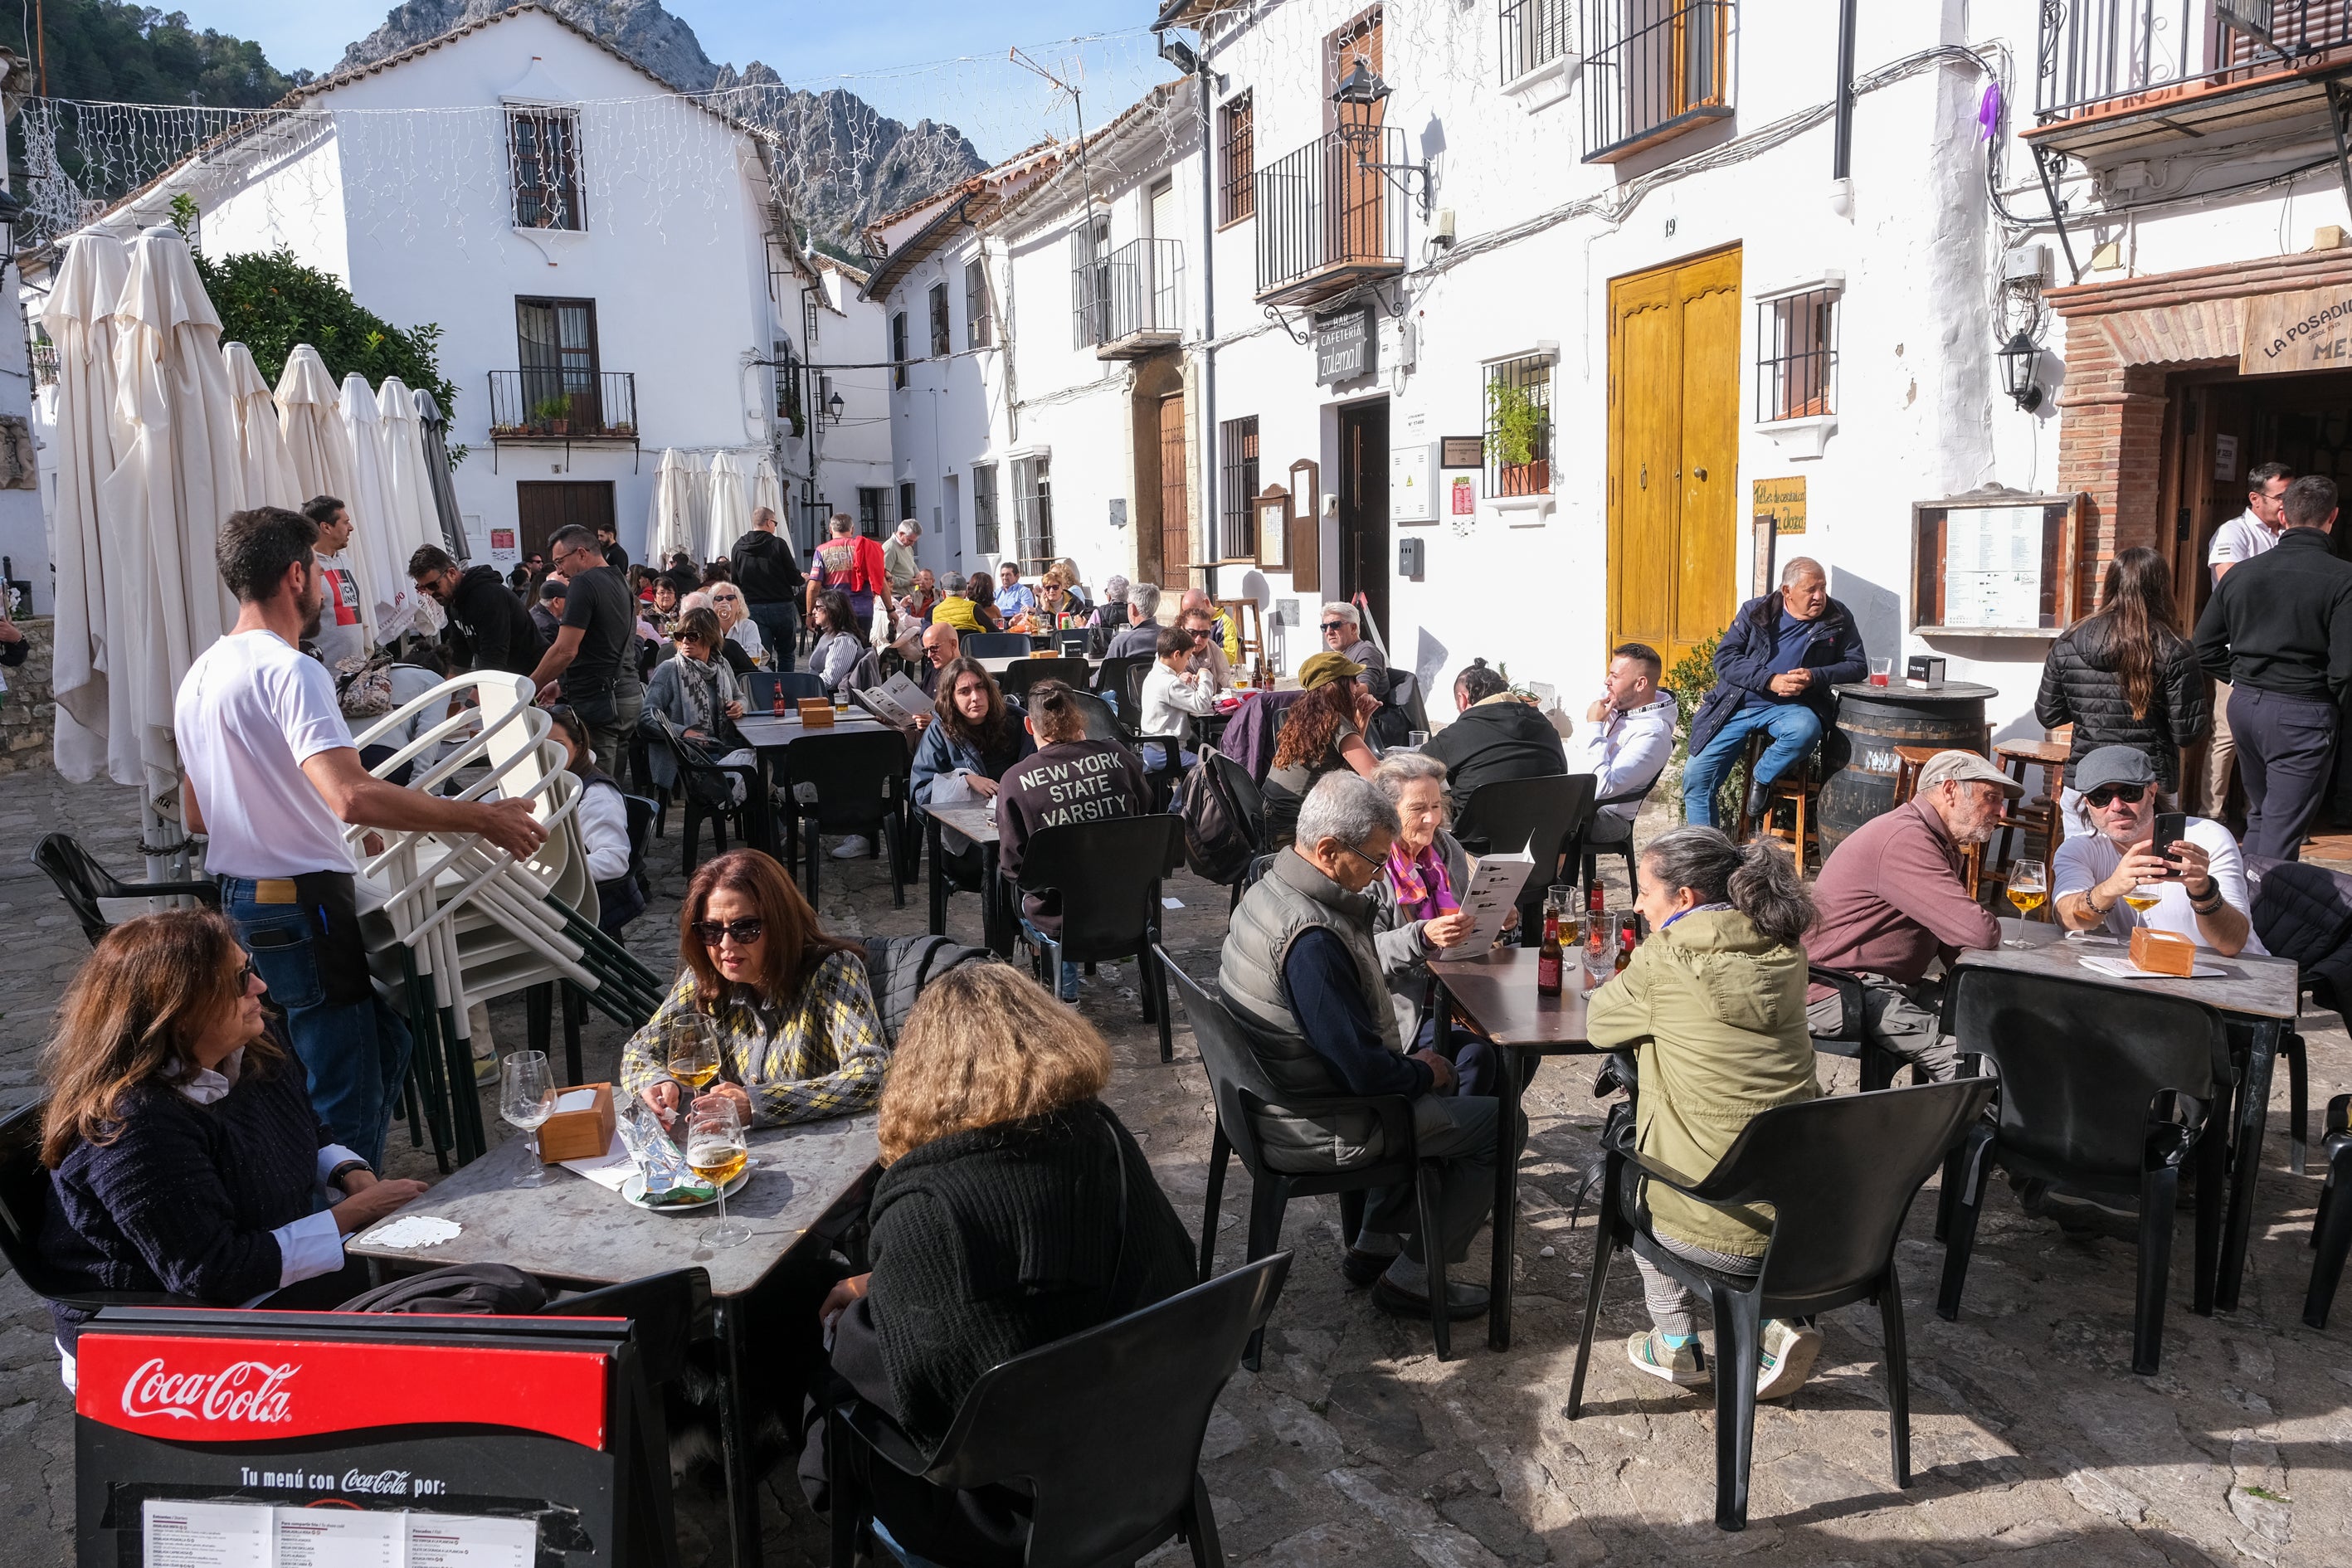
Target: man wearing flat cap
pixel 2198 881
pixel 1894 898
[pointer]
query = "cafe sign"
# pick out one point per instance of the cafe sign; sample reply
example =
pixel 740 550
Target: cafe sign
pixel 2280 334
pixel 1345 346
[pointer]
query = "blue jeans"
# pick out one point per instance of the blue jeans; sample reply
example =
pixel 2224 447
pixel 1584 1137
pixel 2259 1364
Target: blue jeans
pixel 778 623
pixel 1795 729
pixel 1067 988
pixel 353 1049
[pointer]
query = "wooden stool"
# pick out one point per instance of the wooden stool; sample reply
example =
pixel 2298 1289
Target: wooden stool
pixel 2037 817
pixel 1908 761
pixel 1796 785
pixel 1247 628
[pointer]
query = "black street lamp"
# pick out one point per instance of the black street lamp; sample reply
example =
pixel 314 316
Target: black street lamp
pixel 2018 358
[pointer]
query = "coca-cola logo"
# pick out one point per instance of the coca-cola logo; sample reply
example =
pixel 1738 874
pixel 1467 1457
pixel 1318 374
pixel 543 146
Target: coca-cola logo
pixel 392 1482
pixel 250 1391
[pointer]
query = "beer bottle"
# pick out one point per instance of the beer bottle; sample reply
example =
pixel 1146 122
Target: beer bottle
pixel 1629 937
pixel 780 708
pixel 1548 956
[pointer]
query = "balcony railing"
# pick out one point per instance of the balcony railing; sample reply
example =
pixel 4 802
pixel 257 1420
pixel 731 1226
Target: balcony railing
pixel 2094 52
pixel 1131 302
pixel 563 406
pixel 1653 68
pixel 1327 219
pixel 1533 33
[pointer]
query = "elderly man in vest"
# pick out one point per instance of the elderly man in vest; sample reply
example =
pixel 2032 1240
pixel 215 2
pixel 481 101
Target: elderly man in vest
pixel 1300 970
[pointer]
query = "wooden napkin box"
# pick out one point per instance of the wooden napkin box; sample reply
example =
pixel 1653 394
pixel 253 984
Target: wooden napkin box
pixel 816 714
pixel 585 1132
pixel 2163 952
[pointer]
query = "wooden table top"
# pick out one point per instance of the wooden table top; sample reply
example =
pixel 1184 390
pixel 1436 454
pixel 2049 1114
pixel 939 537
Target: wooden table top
pixel 571 1229
pixel 971 819
pixel 2251 984
pixel 1497 992
pixel 2049 753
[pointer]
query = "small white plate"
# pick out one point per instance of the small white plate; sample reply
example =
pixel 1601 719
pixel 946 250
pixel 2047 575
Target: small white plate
pixel 634 1190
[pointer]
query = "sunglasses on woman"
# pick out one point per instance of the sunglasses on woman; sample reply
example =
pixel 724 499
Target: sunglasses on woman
pixel 743 933
pixel 2106 795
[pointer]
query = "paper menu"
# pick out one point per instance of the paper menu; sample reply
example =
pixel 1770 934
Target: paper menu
pixel 1992 566
pixel 1492 893
pixel 456 1541
pixel 341 1537
pixel 898 702
pixel 175 1534
pixel 207 1534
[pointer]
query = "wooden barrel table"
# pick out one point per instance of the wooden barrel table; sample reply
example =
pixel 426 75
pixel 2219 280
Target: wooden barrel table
pixel 1858 757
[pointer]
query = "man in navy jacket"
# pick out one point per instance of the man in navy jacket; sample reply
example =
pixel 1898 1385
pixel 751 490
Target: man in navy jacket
pixel 1773 671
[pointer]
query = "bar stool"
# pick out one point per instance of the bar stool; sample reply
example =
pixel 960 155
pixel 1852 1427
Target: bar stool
pixel 1908 761
pixel 1246 628
pixel 2037 817
pixel 1795 786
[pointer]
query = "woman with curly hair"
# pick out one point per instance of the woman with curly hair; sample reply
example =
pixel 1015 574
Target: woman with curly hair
pixel 1323 730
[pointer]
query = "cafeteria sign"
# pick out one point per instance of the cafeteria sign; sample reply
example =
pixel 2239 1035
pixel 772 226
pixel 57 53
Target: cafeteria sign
pixel 1781 500
pixel 1344 347
pixel 2282 334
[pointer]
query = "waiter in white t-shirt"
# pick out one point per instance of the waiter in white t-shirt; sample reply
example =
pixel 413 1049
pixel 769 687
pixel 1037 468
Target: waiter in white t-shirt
pixel 2241 538
pixel 2198 881
pixel 273 777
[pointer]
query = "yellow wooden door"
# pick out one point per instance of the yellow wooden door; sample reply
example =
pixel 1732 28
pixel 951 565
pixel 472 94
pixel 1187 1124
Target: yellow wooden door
pixel 1673 449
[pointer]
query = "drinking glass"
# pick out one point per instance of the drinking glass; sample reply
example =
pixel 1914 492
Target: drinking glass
pixel 1561 900
pixel 1880 670
pixel 2029 890
pixel 1600 953
pixel 526 1099
pixel 692 1043
pixel 1415 740
pixel 717 1152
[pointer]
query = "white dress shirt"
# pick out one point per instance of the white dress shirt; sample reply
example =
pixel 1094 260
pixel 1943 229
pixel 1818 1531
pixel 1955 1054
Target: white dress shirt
pixel 1624 752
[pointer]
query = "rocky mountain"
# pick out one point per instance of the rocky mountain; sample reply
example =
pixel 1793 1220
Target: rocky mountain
pixel 845 163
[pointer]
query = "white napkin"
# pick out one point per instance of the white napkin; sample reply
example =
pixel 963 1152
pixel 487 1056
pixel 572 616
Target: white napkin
pixel 609 1169
pixel 2125 969
pixel 952 789
pixel 415 1230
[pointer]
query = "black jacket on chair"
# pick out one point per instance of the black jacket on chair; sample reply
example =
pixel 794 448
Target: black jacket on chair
pixel 2082 686
pixel 1498 739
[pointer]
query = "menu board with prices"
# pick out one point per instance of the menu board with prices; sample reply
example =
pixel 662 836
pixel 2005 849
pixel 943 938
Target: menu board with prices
pixel 1994 563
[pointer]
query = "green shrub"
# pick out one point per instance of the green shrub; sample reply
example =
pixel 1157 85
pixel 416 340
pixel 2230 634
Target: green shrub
pixel 1691 678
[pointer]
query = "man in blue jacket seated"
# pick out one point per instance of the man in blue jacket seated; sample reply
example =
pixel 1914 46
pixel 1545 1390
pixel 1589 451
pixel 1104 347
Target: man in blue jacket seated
pixel 1300 972
pixel 1773 671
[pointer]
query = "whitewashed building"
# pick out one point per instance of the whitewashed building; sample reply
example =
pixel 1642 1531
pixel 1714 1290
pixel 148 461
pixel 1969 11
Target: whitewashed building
pixel 609 262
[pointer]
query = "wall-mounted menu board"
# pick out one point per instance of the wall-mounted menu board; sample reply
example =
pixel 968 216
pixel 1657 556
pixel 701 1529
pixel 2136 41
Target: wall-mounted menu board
pixel 1994 563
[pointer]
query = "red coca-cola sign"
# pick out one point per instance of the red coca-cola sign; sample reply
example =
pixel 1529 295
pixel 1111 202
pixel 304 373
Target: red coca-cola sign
pixel 244 1391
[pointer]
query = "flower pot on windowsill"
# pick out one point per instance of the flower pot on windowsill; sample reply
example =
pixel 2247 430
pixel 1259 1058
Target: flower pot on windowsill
pixel 558 426
pixel 1527 478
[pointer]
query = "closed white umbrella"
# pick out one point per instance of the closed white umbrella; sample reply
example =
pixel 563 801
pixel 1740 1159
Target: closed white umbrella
pixel 270 477
pixel 766 489
pixel 698 504
pixel 730 508
pixel 374 513
pixel 416 521
pixel 178 478
pixel 318 447
pixel 671 528
pixel 80 320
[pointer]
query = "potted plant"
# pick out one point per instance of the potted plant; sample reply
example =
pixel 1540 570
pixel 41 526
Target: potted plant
pixel 553 415
pixel 1515 429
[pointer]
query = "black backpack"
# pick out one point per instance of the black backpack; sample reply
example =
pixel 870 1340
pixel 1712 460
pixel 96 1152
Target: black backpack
pixel 1221 830
pixel 460 1289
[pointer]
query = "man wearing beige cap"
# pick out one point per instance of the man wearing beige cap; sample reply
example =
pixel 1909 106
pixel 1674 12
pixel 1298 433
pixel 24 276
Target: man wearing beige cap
pixel 1894 898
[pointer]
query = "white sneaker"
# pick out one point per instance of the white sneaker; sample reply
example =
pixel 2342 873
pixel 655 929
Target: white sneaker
pixel 853 848
pixel 1786 1359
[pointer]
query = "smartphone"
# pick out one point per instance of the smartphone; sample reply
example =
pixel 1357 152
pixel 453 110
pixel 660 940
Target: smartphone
pixel 2171 827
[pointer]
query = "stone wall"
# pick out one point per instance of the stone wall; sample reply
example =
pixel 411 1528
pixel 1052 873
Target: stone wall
pixel 27 715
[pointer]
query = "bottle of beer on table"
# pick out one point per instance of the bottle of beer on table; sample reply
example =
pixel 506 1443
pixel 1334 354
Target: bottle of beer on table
pixel 1548 956
pixel 1629 937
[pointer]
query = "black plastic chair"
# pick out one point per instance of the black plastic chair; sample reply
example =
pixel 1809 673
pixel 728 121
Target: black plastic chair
pixel 859 780
pixel 761 686
pixel 1122 678
pixel 1244 1093
pixel 641 813
pixel 1878 1065
pixel 1024 673
pixel 2106 1092
pixel 24 1200
pixel 2331 1225
pixel 1063 1421
pixel 1108 875
pixel 996 645
pixel 700 783
pixel 1589 852
pixel 1544 816
pixel 1839 1174
pixel 83 881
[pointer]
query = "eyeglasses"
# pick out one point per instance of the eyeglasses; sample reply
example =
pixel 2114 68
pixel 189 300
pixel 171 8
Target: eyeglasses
pixel 742 933
pixel 247 975
pixel 2130 795
pixel 1335 625
pixel 1372 860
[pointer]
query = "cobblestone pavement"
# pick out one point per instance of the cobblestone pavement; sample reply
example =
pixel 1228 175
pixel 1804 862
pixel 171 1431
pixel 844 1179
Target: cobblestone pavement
pixel 2032 1442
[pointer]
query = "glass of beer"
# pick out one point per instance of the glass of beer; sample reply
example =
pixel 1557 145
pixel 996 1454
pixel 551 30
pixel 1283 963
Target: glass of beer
pixel 715 1151
pixel 692 1043
pixel 2029 890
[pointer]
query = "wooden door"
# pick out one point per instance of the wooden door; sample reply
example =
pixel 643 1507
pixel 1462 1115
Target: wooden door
pixel 1364 506
pixel 1673 453
pixel 1175 501
pixel 545 507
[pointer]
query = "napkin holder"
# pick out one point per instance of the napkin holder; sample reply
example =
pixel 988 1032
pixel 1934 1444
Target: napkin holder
pixel 2163 952
pixel 816 714
pixel 585 1133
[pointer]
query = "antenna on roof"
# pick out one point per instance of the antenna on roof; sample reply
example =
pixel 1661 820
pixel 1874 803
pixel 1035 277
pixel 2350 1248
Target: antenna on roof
pixel 1078 108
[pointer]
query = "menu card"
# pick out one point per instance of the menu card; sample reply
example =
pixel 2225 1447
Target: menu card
pixel 175 1534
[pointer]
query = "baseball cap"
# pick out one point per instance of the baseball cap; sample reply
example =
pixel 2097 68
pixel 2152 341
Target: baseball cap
pixel 1326 667
pixel 1965 767
pixel 2113 765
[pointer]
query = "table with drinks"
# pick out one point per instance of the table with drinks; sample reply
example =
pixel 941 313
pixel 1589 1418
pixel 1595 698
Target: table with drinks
pixel 1528 1002
pixel 790 1189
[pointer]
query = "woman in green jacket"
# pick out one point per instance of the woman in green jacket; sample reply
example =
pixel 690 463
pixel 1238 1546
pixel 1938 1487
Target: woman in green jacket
pixel 1716 1002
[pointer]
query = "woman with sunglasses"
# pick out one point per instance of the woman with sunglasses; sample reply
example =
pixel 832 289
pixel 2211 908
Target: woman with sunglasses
pixel 184 1158
pixel 742 646
pixel 2125 677
pixel 799 1037
pixel 840 648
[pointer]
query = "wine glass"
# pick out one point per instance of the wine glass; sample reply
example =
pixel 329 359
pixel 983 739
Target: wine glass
pixel 2028 888
pixel 715 1151
pixel 527 1099
pixel 691 1051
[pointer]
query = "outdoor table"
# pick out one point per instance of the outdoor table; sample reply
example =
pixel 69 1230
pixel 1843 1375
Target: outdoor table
pixel 999 663
pixel 1494 994
pixel 807 1179
pixel 1859 766
pixel 773 739
pixel 977 823
pixel 2260 996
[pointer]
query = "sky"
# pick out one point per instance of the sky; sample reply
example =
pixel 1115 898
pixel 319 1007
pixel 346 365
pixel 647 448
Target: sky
pixel 943 58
